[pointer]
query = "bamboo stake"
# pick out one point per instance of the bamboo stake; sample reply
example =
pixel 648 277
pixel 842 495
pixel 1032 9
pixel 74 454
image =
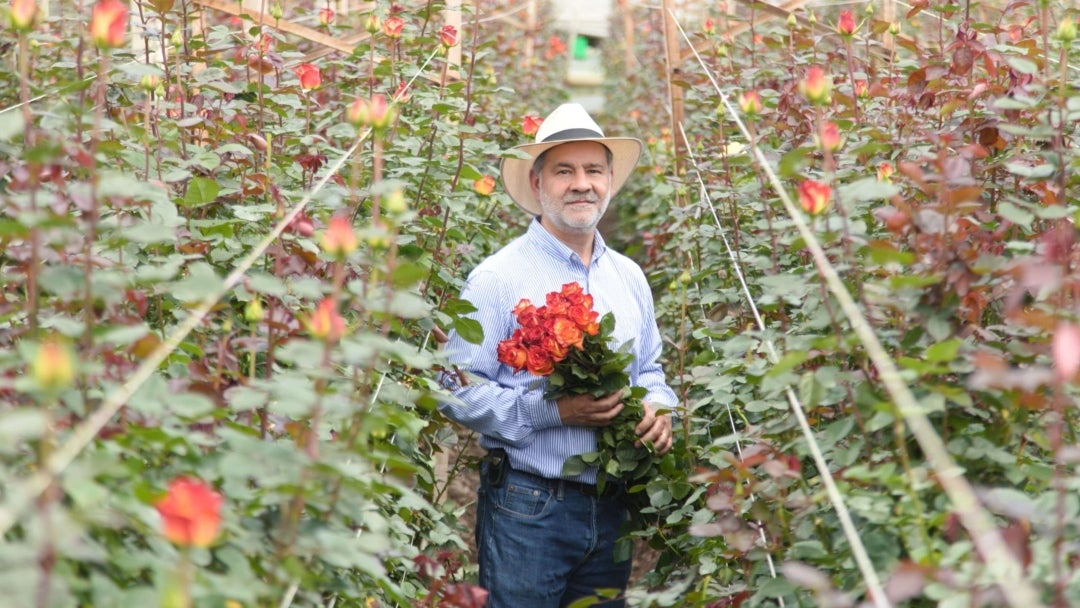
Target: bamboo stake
pixel 675 93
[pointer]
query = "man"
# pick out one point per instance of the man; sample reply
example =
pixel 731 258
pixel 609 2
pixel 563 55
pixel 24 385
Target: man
pixel 545 539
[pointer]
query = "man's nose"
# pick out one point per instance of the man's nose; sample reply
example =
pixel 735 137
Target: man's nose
pixel 581 182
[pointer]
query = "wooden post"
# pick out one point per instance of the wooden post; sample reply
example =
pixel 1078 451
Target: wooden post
pixel 452 16
pixel 675 93
pixel 888 13
pixel 629 61
pixel 530 33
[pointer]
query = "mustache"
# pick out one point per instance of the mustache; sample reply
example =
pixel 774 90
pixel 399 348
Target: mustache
pixel 576 198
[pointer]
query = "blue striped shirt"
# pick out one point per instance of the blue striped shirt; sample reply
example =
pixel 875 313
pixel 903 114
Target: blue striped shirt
pixel 508 409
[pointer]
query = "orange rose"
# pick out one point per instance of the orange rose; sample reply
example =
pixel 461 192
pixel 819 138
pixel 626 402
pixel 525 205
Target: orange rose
pixel 571 290
pixel 539 363
pixel 567 333
pixel 448 36
pixel 325 322
pixel 885 172
pixel 530 124
pixel 309 76
pixel 554 349
pixel 484 186
pixel 582 316
pixel 814 196
pixel 108 24
pixel 815 86
pixel 829 138
pixel 750 103
pixel 523 305
pixel 339 240
pixel 592 328
pixel 376 113
pixel 393 27
pixel 557 305
pixel 190 512
pixel 24 15
pixel 53 366
pixel 513 354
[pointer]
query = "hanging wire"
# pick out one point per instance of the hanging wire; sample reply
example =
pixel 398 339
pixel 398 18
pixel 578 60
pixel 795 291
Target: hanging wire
pixel 1000 562
pixel 858 549
pixel 25 493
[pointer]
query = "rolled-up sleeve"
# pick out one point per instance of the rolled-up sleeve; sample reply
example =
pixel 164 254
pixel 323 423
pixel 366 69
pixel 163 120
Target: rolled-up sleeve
pixel 493 401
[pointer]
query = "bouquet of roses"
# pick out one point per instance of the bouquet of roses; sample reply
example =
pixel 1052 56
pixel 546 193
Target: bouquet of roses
pixel 565 341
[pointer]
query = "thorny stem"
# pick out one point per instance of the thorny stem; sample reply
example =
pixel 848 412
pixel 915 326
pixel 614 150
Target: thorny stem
pixel 851 79
pixel 33 172
pixel 92 213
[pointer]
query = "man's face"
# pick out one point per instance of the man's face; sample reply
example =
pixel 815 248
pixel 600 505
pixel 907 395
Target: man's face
pixel 573 187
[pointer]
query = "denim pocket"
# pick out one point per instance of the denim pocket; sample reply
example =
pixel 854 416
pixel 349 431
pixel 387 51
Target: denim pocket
pixel 523 500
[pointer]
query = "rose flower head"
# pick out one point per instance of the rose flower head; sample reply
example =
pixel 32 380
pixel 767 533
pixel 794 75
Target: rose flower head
pixel 190 513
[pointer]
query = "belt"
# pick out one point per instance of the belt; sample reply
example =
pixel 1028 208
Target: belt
pixel 611 488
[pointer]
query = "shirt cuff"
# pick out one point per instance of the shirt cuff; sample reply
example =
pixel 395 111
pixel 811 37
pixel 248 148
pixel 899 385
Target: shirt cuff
pixel 544 412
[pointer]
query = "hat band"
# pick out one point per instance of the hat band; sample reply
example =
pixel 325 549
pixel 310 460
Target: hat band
pixel 572 134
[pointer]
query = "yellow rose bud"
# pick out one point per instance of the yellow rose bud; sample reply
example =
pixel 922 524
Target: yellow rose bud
pixel 253 312
pixel 53 367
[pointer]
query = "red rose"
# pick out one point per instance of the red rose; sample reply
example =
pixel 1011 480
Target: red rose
pixel 846 24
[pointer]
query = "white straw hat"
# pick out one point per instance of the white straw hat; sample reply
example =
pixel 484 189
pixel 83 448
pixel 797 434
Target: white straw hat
pixel 567 123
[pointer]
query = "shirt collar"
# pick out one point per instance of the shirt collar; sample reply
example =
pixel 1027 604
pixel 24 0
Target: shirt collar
pixel 552 246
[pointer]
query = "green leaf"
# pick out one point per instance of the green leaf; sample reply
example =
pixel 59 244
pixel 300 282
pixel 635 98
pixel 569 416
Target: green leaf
pixel 407 274
pixel 199 282
pixel 1021 65
pixel 11 124
pixel 1015 214
pixel 788 362
pixel 200 191
pixel 470 330
pixel 867 189
pixel 943 352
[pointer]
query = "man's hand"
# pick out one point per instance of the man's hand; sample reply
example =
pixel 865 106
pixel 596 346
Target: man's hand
pixel 656 429
pixel 586 410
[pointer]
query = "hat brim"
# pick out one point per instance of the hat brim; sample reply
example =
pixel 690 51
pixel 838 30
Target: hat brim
pixel 625 152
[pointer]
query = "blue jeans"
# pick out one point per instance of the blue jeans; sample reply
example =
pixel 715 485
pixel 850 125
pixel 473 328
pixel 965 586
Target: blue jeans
pixel 545 544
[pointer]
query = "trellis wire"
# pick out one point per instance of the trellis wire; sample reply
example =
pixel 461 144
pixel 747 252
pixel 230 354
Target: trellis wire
pixel 25 493
pixel 987 539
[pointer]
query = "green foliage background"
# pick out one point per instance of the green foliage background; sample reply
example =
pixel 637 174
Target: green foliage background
pixel 123 207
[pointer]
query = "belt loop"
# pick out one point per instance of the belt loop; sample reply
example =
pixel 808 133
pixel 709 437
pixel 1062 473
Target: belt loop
pixel 560 489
